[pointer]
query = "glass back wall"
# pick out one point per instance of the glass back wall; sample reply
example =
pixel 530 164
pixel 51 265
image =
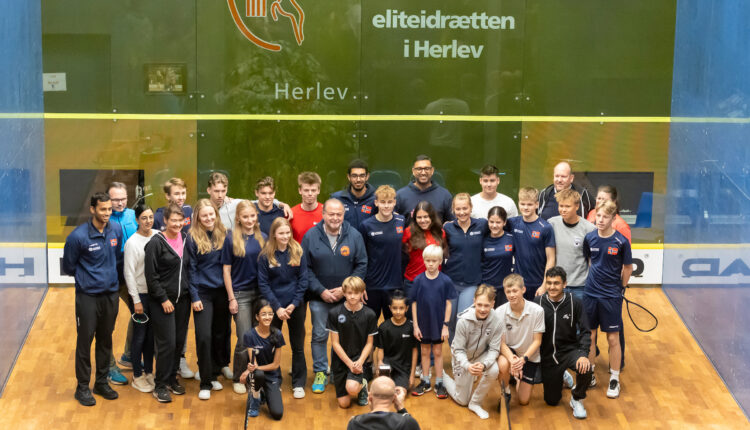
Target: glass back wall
pixel 256 88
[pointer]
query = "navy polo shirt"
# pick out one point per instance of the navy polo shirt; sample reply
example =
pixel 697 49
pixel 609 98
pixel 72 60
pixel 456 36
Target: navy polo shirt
pixel 91 257
pixel 608 255
pixel 464 261
pixel 244 269
pixel 265 219
pixel 497 259
pixel 205 270
pixel 530 240
pixel 282 285
pixel 383 242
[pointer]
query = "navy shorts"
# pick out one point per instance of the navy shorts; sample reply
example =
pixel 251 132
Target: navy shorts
pixel 426 341
pixel 604 313
pixel 532 372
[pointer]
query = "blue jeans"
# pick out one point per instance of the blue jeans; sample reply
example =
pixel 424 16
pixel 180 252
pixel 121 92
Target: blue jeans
pixel 319 317
pixel 577 292
pixel 243 321
pixel 465 300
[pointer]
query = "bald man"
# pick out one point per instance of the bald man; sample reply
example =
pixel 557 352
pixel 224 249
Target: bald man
pixel 383 396
pixel 562 180
pixel 334 250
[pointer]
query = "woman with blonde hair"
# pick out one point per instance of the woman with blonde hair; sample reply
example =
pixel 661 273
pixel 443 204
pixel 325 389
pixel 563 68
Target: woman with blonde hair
pixel 239 259
pixel 282 279
pixel 208 296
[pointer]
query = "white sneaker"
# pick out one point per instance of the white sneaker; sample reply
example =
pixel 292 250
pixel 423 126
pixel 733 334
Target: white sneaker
pixel 151 380
pixel 578 410
pixel 239 388
pixel 185 371
pixel 141 384
pixel 613 391
pixel 418 372
pixel 216 386
pixel 197 375
pixel 204 394
pixel 298 392
pixel 568 380
pixel 481 413
pixel 227 372
pixel 593 381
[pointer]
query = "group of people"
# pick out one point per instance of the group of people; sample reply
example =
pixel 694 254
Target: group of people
pixel 520 298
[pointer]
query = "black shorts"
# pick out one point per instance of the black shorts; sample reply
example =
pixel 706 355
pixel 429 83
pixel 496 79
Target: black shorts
pixel 426 341
pixel 532 372
pixel 341 374
pixel 401 378
pixel 603 312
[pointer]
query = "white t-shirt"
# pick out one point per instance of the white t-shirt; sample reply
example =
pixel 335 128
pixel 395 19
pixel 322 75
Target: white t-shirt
pixel 519 332
pixel 480 206
pixel 134 265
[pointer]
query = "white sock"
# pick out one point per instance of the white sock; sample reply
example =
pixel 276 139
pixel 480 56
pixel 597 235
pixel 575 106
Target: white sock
pixel 615 375
pixel 481 413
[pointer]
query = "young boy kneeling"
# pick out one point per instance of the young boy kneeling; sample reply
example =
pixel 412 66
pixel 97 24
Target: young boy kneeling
pixel 352 327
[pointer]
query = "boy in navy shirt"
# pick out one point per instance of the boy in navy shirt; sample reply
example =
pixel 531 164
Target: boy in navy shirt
pixel 91 254
pixel 383 235
pixel 534 243
pixel 353 327
pixel 611 265
pixel 265 192
pixel 175 192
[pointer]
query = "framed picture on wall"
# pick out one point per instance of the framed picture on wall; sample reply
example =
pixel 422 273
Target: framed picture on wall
pixel 165 78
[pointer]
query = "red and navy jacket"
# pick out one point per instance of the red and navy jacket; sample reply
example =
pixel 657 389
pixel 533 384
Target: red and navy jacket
pixel 357 209
pixel 94 258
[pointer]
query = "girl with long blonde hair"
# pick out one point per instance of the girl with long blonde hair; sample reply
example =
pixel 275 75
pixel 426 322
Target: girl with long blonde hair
pixel 282 280
pixel 239 259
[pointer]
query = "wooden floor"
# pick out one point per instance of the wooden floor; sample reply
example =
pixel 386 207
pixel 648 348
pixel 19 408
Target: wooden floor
pixel 668 383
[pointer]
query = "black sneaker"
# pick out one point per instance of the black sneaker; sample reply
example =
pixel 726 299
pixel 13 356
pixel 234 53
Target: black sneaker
pixel 162 395
pixel 440 391
pixel 422 388
pixel 176 388
pixel 105 391
pixel 84 397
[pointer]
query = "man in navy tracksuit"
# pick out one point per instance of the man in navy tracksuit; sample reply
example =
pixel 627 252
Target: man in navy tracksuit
pixel 423 188
pixel 359 197
pixel 91 256
pixel 334 251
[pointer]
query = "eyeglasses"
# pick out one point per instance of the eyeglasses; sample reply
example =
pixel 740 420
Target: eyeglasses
pixel 421 169
pixel 362 176
pixel 119 200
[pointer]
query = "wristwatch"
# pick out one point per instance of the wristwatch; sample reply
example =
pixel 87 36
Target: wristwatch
pixel 446 323
pixel 525 359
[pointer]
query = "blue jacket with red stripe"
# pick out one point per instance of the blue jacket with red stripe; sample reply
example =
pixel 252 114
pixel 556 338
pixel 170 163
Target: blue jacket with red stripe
pixel 357 209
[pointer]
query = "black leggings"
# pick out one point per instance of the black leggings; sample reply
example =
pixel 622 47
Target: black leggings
pixel 170 331
pixel 296 326
pixel 142 344
pixel 271 390
pixel 211 334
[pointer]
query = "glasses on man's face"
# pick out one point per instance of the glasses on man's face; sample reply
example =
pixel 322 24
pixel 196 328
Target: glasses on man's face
pixel 362 176
pixel 422 169
pixel 119 200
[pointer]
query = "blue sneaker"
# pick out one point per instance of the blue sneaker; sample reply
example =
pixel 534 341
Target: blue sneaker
pixel 319 383
pixel 125 362
pixel 254 409
pixel 116 377
pixel 568 380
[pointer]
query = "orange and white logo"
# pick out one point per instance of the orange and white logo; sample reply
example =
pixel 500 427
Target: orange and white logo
pixel 345 251
pixel 257 9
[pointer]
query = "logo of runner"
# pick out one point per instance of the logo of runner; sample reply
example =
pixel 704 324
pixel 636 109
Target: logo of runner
pixel 257 9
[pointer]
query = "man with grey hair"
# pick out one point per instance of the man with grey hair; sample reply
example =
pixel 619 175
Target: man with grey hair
pixel 562 180
pixel 383 396
pixel 334 250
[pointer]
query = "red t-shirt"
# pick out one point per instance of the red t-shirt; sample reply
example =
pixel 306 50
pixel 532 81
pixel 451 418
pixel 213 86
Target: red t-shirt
pixel 416 262
pixel 304 220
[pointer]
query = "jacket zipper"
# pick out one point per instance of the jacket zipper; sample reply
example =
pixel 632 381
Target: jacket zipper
pixel 179 276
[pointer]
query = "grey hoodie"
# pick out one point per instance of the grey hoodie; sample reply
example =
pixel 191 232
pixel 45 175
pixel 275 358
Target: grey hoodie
pixel 476 340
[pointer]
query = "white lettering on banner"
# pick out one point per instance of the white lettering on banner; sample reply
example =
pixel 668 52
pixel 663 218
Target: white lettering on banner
pixel 454 50
pixel 318 92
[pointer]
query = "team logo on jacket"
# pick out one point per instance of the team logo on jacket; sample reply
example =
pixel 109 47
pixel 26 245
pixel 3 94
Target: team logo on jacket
pixel 566 317
pixel 187 221
pixel 535 234
pixel 113 242
pixel 488 332
pixel 508 327
pixel 366 209
pixel 342 318
pixel 399 229
pixel 509 248
pixel 612 250
pixel 345 251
